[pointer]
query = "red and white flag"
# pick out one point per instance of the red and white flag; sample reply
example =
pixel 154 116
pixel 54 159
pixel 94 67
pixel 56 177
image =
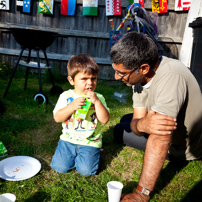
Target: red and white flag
pixel 113 7
pixel 182 5
pixel 141 2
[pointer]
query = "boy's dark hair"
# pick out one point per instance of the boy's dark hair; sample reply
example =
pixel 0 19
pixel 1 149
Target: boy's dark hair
pixel 82 63
pixel 133 50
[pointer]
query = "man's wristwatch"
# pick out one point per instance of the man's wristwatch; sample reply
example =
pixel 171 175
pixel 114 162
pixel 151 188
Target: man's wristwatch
pixel 143 190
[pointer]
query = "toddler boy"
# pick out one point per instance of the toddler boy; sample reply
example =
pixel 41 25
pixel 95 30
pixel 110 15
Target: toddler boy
pixel 81 139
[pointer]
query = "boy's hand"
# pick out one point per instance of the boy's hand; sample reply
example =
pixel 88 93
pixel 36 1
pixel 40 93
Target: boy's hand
pixel 92 96
pixel 78 102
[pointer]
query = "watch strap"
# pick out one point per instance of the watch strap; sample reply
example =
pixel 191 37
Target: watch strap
pixel 143 190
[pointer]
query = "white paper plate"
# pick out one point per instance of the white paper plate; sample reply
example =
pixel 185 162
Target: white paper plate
pixel 7 197
pixel 19 168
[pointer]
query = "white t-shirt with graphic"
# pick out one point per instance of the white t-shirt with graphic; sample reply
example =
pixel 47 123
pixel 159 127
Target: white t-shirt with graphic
pixel 76 130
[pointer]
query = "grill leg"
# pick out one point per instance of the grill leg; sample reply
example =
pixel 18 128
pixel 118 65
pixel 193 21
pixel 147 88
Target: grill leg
pixel 13 73
pixel 27 70
pixel 51 77
pixel 39 70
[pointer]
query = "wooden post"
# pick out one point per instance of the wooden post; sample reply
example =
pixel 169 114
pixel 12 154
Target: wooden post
pixel 187 43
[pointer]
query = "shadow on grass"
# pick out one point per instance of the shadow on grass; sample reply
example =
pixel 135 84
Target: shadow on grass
pixel 38 197
pixel 194 194
pixel 168 173
pixel 44 165
pixel 110 149
pixel 13 126
pixel 129 187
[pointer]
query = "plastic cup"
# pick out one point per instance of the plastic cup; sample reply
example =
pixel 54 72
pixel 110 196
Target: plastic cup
pixel 7 197
pixel 114 191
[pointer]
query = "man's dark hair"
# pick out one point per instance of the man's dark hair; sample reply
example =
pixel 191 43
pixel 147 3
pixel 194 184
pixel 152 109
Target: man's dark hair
pixel 133 50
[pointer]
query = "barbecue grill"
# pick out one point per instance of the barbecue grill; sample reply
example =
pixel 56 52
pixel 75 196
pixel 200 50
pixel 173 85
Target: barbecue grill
pixel 34 39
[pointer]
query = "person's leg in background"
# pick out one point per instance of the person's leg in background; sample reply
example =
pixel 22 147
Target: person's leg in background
pixel 123 134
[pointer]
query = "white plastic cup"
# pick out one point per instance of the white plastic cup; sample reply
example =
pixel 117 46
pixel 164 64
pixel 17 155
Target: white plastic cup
pixel 114 191
pixel 7 197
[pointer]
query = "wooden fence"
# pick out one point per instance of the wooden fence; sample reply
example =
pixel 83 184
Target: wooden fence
pixel 84 34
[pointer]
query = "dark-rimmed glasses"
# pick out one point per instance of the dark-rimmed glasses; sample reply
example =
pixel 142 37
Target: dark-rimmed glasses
pixel 122 76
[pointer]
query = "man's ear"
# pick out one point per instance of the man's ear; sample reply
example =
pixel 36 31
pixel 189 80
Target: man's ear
pixel 145 68
pixel 71 81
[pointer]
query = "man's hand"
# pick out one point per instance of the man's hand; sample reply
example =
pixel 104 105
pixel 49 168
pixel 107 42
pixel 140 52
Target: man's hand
pixel 134 197
pixel 156 124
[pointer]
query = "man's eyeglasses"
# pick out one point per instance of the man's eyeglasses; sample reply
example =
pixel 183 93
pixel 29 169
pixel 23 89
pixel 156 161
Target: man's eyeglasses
pixel 122 76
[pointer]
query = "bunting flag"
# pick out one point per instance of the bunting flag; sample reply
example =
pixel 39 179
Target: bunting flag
pixel 19 4
pixel 113 7
pixel 155 6
pixel 141 2
pixel 182 5
pixel 26 6
pixel 46 6
pixel 68 7
pixel 163 6
pixel 4 5
pixel 160 6
pixel 90 7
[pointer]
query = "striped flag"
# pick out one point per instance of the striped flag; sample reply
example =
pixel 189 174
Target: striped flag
pixel 113 7
pixel 68 7
pixel 90 7
pixel 4 5
pixel 141 2
pixel 26 6
pixel 46 6
pixel 182 5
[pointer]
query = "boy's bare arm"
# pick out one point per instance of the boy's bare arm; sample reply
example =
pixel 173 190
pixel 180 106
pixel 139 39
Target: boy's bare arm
pixel 101 112
pixel 64 113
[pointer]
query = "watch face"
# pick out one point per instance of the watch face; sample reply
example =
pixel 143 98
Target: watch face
pixel 146 192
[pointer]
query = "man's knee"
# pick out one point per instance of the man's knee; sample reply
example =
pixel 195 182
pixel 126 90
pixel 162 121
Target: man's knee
pixel 127 118
pixel 119 130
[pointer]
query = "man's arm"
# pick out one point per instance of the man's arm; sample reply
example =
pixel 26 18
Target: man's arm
pixel 151 123
pixel 156 150
pixel 138 113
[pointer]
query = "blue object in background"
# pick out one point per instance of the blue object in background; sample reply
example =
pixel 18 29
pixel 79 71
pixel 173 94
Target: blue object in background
pixel 114 36
pixel 26 6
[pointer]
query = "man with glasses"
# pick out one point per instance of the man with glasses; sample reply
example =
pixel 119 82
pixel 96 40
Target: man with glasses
pixel 167 116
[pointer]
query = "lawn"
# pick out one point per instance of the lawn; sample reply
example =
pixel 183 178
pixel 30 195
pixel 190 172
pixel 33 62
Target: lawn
pixel 27 128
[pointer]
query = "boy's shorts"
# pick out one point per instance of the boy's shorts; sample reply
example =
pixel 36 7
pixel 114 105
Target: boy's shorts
pixel 85 159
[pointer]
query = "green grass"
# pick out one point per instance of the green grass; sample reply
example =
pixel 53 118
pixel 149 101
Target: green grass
pixel 27 128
